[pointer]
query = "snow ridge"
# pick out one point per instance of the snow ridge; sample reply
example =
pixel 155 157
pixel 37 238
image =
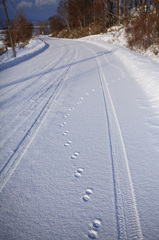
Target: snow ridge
pixel 28 53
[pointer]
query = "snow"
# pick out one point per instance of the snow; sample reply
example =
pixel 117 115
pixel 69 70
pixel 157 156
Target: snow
pixel 35 46
pixel 116 36
pixel 79 128
pixel 143 69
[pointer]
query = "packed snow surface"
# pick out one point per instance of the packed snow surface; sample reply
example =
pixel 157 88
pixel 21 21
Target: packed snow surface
pixel 79 131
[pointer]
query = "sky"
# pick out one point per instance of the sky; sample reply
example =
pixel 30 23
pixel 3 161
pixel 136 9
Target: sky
pixel 35 10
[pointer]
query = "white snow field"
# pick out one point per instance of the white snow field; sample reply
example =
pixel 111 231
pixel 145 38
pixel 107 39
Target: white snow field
pixel 79 140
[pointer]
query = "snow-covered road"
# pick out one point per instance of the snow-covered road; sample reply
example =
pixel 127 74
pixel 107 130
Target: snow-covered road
pixel 79 145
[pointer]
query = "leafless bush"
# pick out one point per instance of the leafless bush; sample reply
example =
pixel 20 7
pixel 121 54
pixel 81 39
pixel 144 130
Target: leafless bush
pixel 21 30
pixel 143 31
pixel 81 32
pixel 56 25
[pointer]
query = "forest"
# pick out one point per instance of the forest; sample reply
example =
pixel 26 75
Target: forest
pixel 139 17
pixel 79 18
pixel 105 13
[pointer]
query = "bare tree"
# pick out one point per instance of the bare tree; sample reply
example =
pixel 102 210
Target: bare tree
pixel 56 24
pixel 81 13
pixel 63 11
pixel 21 28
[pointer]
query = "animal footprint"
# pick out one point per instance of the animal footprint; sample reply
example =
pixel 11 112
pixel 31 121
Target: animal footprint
pixel 65 133
pixel 75 155
pixel 70 109
pixel 87 194
pixel 154 105
pixel 67 144
pixel 63 124
pixel 93 233
pixel 123 75
pixel 96 223
pixel 67 115
pixel 79 172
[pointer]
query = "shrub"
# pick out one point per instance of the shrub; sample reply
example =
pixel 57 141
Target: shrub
pixel 143 31
pixel 21 30
pixel 56 25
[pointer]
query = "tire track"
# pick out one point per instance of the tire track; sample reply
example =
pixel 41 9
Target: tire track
pixel 22 112
pixel 36 100
pixel 20 82
pixel 28 61
pixel 128 223
pixel 15 158
pixel 12 162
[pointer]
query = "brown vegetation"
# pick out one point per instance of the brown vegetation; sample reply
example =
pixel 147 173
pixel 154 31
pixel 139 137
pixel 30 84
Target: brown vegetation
pixel 143 31
pixel 56 24
pixel 141 18
pixel 21 30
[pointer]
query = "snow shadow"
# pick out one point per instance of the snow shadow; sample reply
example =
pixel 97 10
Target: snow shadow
pixel 83 60
pixel 42 73
pixel 23 58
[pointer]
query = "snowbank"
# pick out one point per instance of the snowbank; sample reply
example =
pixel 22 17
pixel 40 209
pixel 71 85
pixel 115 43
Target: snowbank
pixel 35 46
pixel 145 67
pixel 116 36
pixel 145 71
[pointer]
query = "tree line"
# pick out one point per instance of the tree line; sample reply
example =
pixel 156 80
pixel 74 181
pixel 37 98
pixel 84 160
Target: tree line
pixel 140 18
pixel 106 13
